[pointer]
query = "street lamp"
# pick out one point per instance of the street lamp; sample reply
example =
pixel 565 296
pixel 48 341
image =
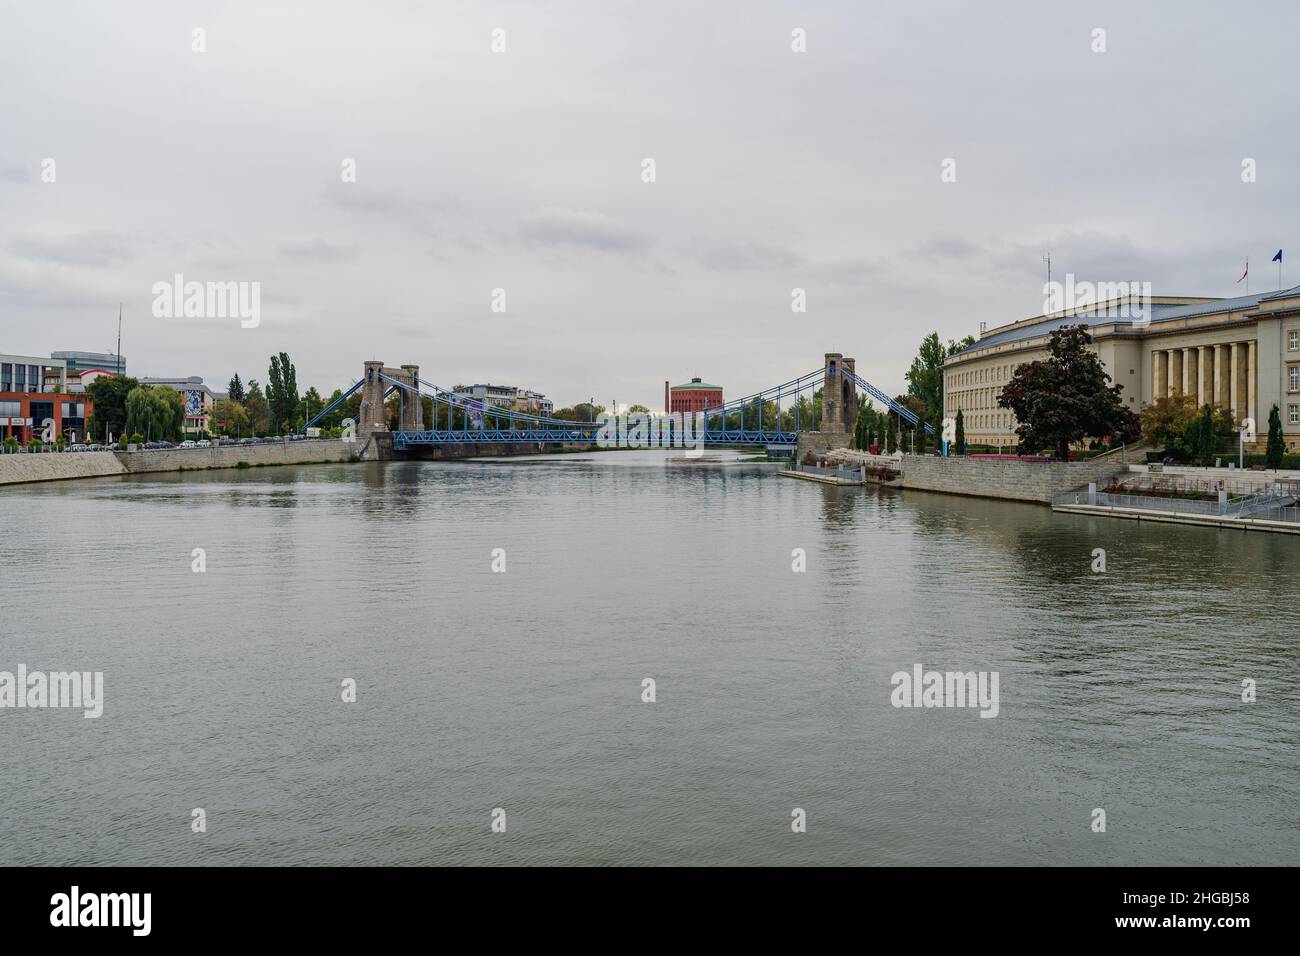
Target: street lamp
pixel 1247 427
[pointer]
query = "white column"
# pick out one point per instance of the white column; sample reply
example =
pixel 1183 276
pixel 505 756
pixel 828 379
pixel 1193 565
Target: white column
pixel 1234 402
pixel 1221 376
pixel 1204 381
pixel 1189 377
pixel 1158 359
pixel 1250 384
pixel 1175 364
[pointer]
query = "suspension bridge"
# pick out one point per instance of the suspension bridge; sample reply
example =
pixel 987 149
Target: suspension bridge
pixel 774 417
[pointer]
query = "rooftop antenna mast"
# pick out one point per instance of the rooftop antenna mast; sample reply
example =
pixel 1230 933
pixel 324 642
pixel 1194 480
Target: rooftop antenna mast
pixel 119 340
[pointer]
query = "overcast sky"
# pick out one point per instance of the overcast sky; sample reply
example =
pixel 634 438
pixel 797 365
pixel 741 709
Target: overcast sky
pixel 522 170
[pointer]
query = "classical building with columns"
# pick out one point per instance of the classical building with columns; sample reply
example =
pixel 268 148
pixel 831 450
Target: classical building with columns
pixel 1242 354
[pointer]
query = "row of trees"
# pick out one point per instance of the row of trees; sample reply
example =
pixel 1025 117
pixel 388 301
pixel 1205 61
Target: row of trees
pixel 1188 433
pixel 250 410
pixel 125 408
pixel 1175 425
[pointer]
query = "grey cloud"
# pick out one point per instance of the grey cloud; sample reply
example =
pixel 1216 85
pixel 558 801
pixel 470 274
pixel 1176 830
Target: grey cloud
pixel 851 270
pixel 948 247
pixel 555 226
pixel 728 255
pixel 13 171
pixel 93 248
pixel 318 250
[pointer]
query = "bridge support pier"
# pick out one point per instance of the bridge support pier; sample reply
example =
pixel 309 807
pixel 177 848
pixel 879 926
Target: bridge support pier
pixel 412 406
pixel 372 419
pixel 839 396
pixel 839 409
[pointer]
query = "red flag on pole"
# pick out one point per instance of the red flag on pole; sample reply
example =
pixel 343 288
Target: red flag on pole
pixel 1246 273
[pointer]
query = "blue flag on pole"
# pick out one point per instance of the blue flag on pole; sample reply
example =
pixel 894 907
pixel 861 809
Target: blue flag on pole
pixel 1278 257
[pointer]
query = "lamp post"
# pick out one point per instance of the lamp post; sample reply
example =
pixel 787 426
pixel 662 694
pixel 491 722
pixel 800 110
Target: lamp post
pixel 1244 430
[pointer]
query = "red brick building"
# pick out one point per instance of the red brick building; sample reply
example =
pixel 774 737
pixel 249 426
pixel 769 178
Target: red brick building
pixel 694 396
pixel 27 399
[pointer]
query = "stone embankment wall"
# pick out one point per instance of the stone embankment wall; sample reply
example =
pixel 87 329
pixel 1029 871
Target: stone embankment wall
pixel 56 466
pixel 1004 478
pixel 230 456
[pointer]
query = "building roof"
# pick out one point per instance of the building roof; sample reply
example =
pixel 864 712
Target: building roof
pixel 193 382
pixel 697 384
pixel 34 360
pixel 1160 312
pixel 77 356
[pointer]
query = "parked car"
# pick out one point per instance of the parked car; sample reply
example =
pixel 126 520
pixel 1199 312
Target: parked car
pixel 204 443
pixel 189 443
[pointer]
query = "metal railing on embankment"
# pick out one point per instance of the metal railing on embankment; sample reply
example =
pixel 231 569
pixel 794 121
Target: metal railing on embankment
pixel 841 472
pixel 1274 505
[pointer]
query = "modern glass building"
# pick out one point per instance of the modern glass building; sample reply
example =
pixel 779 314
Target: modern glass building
pixel 78 362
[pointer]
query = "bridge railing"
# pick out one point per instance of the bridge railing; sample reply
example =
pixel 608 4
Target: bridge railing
pixel 902 411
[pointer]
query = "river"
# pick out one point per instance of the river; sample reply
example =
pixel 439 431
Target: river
pixel 521 689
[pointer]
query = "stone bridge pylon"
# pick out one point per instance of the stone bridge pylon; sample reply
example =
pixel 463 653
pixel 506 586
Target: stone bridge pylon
pixel 839 408
pixel 372 419
pixel 839 396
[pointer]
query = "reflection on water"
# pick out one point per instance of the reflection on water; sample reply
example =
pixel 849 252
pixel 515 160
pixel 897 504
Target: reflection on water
pixel 522 690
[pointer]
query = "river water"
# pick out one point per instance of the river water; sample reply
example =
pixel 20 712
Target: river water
pixel 522 689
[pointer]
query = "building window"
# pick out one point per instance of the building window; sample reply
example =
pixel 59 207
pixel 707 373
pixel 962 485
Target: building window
pixel 1293 378
pixel 1293 414
pixel 1293 340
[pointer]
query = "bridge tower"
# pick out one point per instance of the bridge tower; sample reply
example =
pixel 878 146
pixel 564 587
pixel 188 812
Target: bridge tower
pixel 839 396
pixel 372 419
pixel 412 419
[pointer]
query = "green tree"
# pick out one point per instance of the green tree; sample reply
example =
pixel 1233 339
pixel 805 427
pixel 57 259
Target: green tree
pixel 1205 436
pixel 1275 448
pixel 1066 398
pixel 334 417
pixel 229 417
pixel 259 416
pixel 639 410
pixel 236 389
pixel 582 412
pixel 960 437
pixel 1171 424
pixel 925 379
pixel 311 405
pixel 156 412
pixel 282 393
pixel 862 424
pixel 108 394
pixel 965 343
